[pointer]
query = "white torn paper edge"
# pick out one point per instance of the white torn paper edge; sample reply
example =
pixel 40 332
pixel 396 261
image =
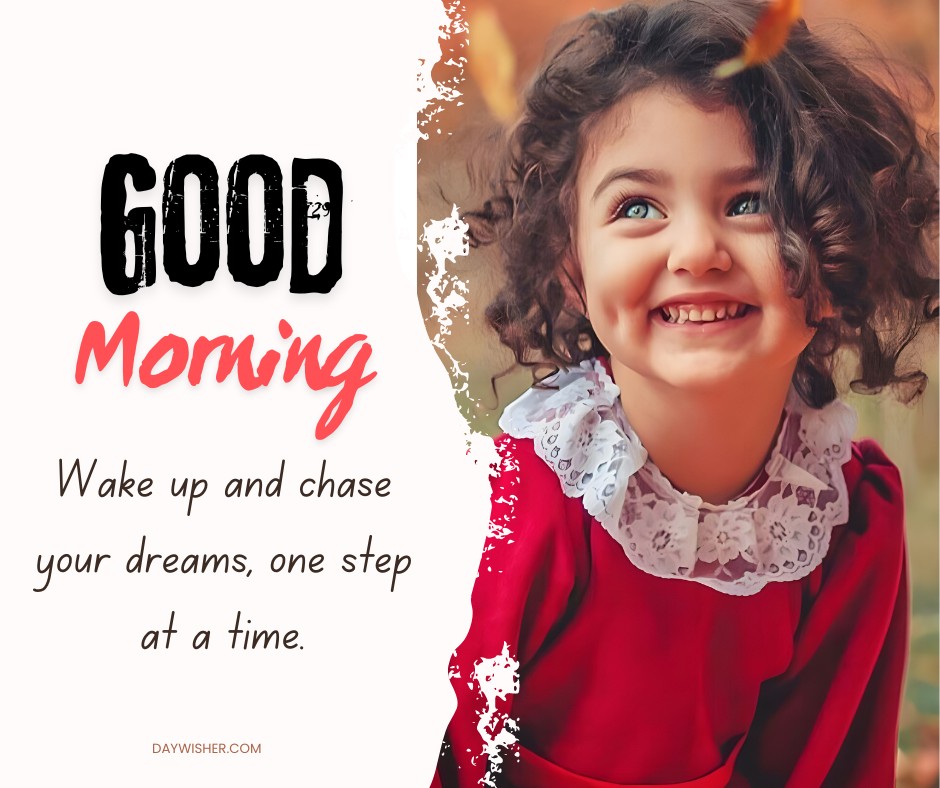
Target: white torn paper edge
pixel 496 677
pixel 446 240
pixel 433 96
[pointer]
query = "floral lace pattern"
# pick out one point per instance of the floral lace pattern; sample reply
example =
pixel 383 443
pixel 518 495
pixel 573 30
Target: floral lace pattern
pixel 775 532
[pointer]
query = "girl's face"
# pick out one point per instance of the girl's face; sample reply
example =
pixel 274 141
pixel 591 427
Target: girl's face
pixel 682 278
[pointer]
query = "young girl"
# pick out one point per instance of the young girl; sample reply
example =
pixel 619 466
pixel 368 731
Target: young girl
pixel 693 576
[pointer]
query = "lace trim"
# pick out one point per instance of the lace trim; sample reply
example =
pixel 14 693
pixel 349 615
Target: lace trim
pixel 779 531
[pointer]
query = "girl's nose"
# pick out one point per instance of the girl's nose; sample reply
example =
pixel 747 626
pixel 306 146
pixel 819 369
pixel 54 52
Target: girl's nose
pixel 697 249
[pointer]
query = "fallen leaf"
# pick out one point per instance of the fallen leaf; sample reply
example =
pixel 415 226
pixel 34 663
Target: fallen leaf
pixel 769 37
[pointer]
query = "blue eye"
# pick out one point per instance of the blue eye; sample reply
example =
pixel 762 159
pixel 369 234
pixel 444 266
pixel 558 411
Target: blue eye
pixel 639 209
pixel 746 205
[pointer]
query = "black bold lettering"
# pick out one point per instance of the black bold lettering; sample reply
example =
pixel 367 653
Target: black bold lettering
pixel 239 253
pixel 301 281
pixel 114 224
pixel 175 263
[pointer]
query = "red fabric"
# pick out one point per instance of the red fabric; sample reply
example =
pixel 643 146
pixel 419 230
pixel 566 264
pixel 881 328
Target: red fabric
pixel 632 680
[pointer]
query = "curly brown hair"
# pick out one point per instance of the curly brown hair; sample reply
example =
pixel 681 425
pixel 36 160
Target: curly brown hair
pixel 850 183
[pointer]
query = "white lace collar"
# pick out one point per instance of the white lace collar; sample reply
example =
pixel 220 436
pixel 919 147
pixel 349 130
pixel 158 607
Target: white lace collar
pixel 778 531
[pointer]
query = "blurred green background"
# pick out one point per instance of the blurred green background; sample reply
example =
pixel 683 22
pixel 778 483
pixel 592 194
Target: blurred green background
pixel 506 42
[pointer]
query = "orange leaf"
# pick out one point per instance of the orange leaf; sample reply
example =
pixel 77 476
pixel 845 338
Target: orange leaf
pixel 768 39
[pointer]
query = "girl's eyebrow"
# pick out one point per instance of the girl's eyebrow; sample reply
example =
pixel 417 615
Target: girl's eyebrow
pixel 733 175
pixel 742 174
pixel 652 177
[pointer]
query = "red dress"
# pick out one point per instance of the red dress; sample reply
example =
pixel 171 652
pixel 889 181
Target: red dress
pixel 627 679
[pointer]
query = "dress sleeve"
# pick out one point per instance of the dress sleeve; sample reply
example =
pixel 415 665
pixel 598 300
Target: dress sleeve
pixel 528 579
pixel 832 718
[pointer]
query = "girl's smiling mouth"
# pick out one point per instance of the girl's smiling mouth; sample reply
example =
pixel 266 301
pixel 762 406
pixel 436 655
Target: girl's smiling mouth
pixel 700 313
pixel 701 309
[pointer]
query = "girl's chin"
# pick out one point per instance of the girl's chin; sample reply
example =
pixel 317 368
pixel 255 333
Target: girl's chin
pixel 701 371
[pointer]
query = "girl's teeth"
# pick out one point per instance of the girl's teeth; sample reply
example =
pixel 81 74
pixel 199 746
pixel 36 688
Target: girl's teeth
pixel 694 314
